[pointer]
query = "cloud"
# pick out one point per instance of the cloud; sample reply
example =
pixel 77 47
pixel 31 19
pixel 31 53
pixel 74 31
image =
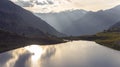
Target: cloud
pixel 62 5
pixel 44 5
pixel 24 4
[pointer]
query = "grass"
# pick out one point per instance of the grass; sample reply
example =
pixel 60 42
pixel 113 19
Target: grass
pixel 108 39
pixel 10 41
pixel 112 39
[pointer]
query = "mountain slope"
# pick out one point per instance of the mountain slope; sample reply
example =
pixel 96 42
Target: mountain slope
pixel 115 27
pixel 16 19
pixel 83 24
pixel 94 22
pixel 10 41
pixel 63 21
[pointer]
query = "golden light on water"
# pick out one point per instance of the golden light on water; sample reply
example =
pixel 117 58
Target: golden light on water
pixel 36 52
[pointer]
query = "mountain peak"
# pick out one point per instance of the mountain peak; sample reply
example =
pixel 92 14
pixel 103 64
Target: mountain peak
pixel 115 8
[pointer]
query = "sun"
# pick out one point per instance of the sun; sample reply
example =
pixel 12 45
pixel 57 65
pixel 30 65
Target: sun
pixel 36 51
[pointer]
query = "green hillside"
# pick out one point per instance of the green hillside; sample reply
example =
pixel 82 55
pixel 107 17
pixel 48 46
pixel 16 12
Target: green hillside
pixel 10 41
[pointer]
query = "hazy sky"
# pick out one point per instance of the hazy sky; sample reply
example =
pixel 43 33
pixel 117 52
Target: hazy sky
pixel 61 5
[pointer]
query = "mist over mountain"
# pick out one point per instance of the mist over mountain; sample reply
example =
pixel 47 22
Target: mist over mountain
pixel 18 20
pixel 63 21
pixel 94 22
pixel 115 27
pixel 81 22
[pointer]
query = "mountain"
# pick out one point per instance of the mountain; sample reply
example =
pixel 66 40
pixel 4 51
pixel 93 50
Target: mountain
pixel 15 19
pixel 115 27
pixel 82 22
pixel 94 22
pixel 63 21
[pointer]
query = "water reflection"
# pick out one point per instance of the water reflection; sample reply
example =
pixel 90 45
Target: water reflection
pixel 36 52
pixel 71 54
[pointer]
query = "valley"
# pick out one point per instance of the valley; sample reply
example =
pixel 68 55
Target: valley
pixel 109 38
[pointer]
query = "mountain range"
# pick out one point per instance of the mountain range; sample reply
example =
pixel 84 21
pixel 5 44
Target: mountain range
pixel 81 22
pixel 14 18
pixel 63 21
pixel 72 22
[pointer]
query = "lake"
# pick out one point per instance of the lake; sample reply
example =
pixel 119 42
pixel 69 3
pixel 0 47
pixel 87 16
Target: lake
pixel 70 54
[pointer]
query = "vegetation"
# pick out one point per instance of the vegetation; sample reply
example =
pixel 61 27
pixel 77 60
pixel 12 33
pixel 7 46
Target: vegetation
pixel 10 41
pixel 112 39
pixel 109 39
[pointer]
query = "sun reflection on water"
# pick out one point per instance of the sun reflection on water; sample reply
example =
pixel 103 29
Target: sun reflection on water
pixel 70 54
pixel 36 52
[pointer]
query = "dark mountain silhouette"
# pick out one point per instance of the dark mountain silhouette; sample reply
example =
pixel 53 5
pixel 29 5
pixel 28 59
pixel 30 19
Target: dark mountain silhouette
pixel 18 20
pixel 84 23
pixel 10 41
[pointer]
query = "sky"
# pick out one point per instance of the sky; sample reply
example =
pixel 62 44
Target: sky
pixel 62 5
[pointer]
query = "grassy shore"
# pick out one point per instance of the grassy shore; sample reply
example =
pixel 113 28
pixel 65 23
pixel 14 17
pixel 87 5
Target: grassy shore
pixel 10 41
pixel 111 39
pixel 18 42
pixel 108 39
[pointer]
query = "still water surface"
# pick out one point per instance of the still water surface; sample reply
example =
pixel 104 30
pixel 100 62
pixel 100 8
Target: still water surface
pixel 71 54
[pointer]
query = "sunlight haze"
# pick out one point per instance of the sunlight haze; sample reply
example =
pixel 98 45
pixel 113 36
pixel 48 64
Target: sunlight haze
pixel 62 5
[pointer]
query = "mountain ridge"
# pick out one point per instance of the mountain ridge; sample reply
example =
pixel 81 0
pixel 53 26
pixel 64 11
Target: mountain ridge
pixel 23 20
pixel 90 22
pixel 62 20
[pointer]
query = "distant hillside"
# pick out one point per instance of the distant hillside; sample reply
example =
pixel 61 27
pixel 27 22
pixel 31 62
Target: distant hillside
pixel 115 27
pixel 16 19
